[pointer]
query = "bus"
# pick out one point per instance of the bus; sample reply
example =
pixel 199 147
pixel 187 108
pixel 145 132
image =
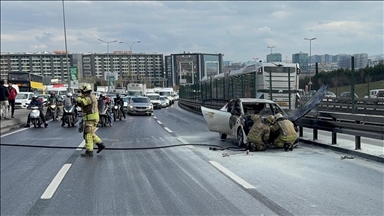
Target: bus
pixel 278 82
pixel 27 82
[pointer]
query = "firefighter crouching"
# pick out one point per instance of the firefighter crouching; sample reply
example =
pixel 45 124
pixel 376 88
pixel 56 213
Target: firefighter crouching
pixel 258 136
pixel 287 133
pixel 88 104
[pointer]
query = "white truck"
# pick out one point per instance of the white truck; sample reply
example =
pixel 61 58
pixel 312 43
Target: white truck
pixel 136 89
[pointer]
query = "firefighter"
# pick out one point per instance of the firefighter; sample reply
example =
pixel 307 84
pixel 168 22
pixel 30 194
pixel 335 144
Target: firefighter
pixel 258 136
pixel 88 104
pixel 286 130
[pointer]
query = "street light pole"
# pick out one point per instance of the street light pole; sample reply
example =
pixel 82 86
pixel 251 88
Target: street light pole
pixel 310 59
pixel 109 73
pixel 271 47
pixel 66 48
pixel 130 53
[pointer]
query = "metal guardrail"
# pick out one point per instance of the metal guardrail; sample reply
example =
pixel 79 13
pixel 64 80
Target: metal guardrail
pixel 369 106
pixel 353 124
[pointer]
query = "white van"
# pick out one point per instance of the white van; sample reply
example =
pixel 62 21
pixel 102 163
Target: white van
pixel 23 99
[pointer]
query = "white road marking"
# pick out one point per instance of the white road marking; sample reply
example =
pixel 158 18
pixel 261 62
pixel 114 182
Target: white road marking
pixel 167 129
pixel 182 140
pixel 51 189
pixel 13 132
pixel 154 117
pixel 232 175
pixel 81 146
pixel 159 122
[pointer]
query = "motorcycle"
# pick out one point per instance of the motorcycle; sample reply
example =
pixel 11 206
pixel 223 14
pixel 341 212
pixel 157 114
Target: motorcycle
pixel 103 116
pixel 69 117
pixel 35 117
pixel 52 111
pixel 117 113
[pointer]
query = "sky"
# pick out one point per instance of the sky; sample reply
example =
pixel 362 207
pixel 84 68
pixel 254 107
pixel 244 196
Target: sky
pixel 241 30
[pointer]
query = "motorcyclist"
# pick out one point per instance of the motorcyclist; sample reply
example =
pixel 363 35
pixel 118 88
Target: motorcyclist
pixel 258 136
pixel 36 102
pixel 53 99
pixel 119 101
pixel 287 133
pixel 69 101
pixel 102 101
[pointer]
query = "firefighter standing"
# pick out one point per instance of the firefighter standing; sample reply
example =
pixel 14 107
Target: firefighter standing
pixel 88 104
pixel 287 133
pixel 258 136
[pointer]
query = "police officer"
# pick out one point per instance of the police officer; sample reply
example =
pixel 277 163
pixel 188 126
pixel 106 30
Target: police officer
pixel 258 136
pixel 287 133
pixel 88 104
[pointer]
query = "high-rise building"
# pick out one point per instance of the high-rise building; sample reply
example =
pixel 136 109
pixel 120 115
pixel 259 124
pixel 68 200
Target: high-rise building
pixel 136 67
pixel 344 61
pixel 189 68
pixel 49 64
pixel 361 60
pixel 302 59
pixel 274 57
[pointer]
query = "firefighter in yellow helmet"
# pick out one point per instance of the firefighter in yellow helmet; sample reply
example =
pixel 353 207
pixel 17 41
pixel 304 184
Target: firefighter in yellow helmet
pixel 287 134
pixel 258 136
pixel 88 104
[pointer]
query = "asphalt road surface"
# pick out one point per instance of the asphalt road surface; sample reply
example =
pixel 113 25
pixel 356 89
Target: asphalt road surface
pixel 140 174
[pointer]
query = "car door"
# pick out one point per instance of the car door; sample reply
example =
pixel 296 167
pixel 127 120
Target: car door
pixel 235 118
pixel 217 120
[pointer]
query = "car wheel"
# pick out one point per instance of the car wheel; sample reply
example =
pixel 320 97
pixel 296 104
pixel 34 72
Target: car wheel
pixel 223 136
pixel 240 138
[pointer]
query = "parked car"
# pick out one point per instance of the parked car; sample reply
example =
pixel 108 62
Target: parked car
pixel 228 121
pixel 140 105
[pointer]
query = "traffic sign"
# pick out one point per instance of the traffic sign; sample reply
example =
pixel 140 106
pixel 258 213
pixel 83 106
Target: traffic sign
pixel 111 80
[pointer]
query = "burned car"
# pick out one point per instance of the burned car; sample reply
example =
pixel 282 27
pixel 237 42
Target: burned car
pixel 233 119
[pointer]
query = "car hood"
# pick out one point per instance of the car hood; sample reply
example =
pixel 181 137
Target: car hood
pixel 311 103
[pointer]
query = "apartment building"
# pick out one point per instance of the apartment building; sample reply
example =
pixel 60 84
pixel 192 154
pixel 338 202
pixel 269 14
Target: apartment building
pixel 141 67
pixel 190 68
pixel 48 64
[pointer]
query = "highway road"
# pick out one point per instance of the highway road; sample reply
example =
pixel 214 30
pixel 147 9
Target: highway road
pixel 187 179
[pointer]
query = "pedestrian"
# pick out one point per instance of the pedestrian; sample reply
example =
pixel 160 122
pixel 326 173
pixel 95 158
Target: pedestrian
pixel 258 136
pixel 287 133
pixel 4 93
pixel 88 104
pixel 11 99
